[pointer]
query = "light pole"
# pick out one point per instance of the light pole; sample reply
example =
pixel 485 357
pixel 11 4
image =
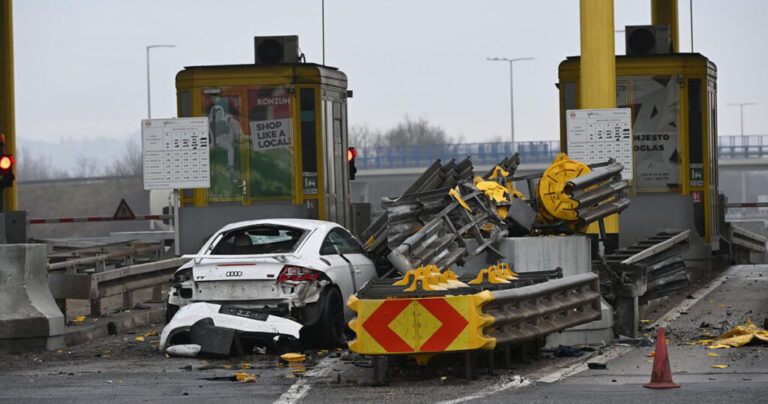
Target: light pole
pixel 741 112
pixel 511 95
pixel 149 99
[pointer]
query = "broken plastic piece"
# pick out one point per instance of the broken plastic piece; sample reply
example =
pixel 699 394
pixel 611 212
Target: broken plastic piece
pixel 185 350
pixel 293 357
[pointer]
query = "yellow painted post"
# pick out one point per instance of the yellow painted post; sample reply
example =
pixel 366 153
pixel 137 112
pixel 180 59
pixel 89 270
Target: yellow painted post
pixel 597 79
pixel 665 12
pixel 7 110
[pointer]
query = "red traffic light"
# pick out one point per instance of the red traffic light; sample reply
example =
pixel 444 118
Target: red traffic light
pixel 6 162
pixel 351 153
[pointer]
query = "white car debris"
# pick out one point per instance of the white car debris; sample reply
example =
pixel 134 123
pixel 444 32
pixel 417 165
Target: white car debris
pixel 296 270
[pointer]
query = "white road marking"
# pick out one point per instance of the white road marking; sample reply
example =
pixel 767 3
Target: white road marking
pixel 298 390
pixel 504 383
pixel 619 350
pixel 686 304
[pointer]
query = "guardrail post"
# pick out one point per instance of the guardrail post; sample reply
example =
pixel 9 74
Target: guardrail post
pixel 157 294
pixel 127 299
pixel 96 307
pixel 627 316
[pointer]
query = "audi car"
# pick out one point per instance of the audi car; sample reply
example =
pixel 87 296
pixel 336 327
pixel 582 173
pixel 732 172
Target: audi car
pixel 296 269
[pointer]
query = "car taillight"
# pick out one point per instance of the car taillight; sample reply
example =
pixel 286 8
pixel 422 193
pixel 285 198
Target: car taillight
pixel 294 273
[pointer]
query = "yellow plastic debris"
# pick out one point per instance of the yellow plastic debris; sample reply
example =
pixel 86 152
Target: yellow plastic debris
pixel 140 339
pixel 246 365
pixel 149 333
pixel 742 335
pixel 712 354
pixel 493 190
pixel 293 357
pixel 719 346
pixel 290 376
pixel 79 319
pixel 245 377
pixel 369 243
pixel 645 321
pixel 227 366
pixel 454 192
pixel 719 366
pixel 499 172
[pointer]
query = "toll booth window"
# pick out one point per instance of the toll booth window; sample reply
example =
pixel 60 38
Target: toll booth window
pixel 185 104
pixel 270 124
pixel 695 133
pixel 655 123
pixel 225 137
pixel 308 140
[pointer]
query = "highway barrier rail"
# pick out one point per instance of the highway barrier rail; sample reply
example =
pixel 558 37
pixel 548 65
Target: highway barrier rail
pixel 98 271
pixel 442 313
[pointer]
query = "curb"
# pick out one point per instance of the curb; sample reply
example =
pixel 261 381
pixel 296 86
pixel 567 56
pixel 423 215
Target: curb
pixel 112 325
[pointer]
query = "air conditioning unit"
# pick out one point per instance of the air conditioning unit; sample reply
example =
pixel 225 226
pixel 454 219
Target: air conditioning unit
pixel 644 40
pixel 273 50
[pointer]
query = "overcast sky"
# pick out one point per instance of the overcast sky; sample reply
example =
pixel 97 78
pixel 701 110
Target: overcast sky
pixel 81 67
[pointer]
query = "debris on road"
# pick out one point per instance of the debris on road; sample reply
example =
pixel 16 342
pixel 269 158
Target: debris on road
pixel 184 350
pixel 740 336
pixel 220 334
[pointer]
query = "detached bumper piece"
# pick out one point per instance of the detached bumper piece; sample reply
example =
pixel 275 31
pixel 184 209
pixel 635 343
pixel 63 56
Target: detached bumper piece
pixel 222 331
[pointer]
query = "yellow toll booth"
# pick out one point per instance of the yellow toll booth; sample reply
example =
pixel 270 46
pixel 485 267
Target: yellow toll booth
pixel 278 144
pixel 673 98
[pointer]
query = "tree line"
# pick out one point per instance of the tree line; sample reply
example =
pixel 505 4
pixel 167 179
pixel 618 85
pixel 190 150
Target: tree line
pixel 31 167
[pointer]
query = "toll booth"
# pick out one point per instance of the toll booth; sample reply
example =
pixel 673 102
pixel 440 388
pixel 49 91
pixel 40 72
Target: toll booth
pixel 278 144
pixel 673 98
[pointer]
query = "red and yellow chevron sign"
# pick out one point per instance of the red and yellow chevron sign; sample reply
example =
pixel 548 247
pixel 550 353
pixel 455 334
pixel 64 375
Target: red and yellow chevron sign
pixel 420 325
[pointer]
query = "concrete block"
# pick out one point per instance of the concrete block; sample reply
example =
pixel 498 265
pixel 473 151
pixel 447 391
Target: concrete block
pixel 29 316
pixel 530 254
pixel 594 332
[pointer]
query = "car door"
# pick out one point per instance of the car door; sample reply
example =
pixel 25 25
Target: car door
pixel 363 268
pixel 339 265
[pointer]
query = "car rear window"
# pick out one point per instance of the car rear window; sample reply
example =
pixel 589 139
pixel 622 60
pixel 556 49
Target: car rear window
pixel 261 239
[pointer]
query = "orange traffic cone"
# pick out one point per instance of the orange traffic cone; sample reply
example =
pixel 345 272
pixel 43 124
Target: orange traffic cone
pixel 661 376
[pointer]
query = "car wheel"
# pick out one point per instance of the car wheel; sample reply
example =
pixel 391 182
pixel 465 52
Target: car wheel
pixel 170 311
pixel 329 331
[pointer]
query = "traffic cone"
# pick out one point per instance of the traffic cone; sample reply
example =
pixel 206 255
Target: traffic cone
pixel 661 376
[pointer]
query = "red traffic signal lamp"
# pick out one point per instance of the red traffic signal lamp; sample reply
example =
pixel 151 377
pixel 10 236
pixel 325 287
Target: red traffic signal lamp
pixel 6 170
pixel 351 154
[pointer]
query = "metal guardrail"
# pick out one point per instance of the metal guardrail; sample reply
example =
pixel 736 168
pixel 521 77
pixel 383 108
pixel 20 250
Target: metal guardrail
pixel 530 312
pixel 744 238
pixel 97 285
pixel 535 152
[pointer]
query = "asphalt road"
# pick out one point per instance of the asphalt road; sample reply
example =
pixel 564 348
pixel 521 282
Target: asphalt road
pixel 121 369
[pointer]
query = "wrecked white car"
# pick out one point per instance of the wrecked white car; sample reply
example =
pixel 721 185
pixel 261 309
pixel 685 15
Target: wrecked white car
pixel 267 271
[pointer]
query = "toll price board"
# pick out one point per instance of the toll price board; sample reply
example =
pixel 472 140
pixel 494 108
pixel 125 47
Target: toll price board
pixel 176 153
pixel 594 135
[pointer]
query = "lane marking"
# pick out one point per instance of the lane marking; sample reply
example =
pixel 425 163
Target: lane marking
pixel 663 321
pixel 685 305
pixel 504 383
pixel 298 390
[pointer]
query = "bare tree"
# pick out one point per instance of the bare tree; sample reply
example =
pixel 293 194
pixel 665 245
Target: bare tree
pixel 86 167
pixel 362 137
pixel 129 163
pixel 31 167
pixel 415 132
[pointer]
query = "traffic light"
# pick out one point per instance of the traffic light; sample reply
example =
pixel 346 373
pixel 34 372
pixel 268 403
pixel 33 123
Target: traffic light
pixel 351 154
pixel 6 170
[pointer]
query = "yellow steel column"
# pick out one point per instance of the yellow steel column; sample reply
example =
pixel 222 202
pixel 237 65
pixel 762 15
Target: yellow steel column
pixel 597 82
pixel 665 12
pixel 7 111
pixel 597 79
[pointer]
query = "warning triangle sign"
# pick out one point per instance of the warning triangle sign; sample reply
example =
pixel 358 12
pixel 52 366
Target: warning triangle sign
pixel 123 212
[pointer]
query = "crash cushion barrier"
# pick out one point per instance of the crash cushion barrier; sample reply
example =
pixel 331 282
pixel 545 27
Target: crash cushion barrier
pixel 469 322
pixel 29 316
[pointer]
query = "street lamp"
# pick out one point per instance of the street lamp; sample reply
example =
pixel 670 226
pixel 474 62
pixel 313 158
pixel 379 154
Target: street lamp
pixel 741 112
pixel 511 95
pixel 149 100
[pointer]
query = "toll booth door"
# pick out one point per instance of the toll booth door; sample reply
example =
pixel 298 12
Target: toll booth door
pixel 334 161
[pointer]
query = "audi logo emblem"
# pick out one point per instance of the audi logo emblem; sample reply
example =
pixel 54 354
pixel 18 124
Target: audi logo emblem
pixel 234 273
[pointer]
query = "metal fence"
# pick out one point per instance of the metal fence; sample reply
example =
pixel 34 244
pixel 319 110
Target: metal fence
pixel 751 146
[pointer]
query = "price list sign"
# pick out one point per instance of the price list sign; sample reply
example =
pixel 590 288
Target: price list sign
pixel 175 153
pixel 594 135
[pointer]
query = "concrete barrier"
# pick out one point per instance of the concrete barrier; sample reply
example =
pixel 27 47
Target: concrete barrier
pixel 29 317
